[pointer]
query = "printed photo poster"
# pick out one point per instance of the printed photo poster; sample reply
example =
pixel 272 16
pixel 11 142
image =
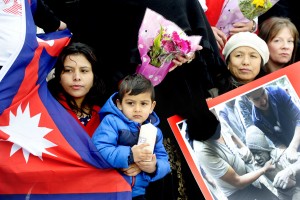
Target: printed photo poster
pixel 205 182
pixel 234 117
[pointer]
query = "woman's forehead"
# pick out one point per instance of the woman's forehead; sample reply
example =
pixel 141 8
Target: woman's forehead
pixel 245 49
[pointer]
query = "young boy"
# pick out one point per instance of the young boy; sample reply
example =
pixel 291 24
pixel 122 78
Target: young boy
pixel 117 136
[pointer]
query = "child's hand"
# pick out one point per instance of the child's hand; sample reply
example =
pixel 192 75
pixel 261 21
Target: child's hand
pixel 132 170
pixel 140 153
pixel 148 166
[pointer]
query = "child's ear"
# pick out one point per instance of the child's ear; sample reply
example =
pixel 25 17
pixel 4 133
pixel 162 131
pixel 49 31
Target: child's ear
pixel 119 104
pixel 153 106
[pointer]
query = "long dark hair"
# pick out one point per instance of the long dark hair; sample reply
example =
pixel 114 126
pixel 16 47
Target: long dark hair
pixel 95 95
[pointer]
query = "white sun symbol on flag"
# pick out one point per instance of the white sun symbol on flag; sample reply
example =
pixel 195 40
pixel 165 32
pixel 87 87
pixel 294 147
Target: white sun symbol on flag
pixel 25 134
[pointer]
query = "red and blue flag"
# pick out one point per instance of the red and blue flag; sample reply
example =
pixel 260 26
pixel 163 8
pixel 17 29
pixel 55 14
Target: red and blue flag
pixel 44 152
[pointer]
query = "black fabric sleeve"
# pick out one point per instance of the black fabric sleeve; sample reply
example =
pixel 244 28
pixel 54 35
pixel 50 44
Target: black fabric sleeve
pixel 45 18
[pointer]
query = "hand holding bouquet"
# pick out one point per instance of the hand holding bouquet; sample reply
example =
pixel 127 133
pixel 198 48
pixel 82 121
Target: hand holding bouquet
pixel 160 40
pixel 166 45
pixel 241 11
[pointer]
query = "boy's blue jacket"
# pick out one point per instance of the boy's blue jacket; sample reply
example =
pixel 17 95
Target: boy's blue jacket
pixel 116 135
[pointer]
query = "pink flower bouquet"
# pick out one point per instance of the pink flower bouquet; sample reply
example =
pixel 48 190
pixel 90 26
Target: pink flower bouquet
pixel 234 11
pixel 159 41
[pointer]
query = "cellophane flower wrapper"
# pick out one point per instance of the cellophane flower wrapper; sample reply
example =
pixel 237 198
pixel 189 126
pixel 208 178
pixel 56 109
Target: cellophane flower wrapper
pixel 241 11
pixel 159 41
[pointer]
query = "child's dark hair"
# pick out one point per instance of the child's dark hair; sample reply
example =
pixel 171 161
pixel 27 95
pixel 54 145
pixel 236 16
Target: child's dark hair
pixel 135 84
pixel 95 95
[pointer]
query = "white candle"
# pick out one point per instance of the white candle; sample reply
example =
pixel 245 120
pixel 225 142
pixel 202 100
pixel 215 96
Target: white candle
pixel 148 135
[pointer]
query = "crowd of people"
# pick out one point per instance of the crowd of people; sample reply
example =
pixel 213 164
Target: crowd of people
pixel 94 79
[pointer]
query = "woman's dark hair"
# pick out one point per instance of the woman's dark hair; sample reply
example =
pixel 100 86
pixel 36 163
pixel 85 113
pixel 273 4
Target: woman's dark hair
pixel 95 95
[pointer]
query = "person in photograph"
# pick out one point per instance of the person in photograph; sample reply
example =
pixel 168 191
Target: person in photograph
pixel 220 158
pixel 229 114
pixel 285 176
pixel 244 107
pixel 278 117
